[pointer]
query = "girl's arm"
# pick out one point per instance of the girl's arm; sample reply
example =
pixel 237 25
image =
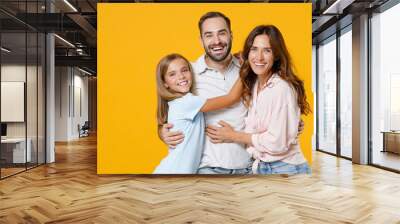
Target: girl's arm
pixel 220 102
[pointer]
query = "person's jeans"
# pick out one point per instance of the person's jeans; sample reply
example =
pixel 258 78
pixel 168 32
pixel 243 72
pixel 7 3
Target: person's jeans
pixel 279 167
pixel 220 170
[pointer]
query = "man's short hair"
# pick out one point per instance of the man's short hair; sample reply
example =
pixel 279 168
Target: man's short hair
pixel 210 15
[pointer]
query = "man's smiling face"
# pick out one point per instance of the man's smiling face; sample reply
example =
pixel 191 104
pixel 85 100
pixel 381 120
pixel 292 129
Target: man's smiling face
pixel 216 38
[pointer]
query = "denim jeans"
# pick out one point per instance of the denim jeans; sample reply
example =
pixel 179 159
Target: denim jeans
pixel 279 167
pixel 220 170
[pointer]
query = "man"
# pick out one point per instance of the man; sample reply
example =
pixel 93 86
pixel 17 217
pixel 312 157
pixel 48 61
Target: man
pixel 215 73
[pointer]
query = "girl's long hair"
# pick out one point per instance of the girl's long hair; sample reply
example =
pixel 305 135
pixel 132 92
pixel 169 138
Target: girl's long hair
pixel 163 93
pixel 282 66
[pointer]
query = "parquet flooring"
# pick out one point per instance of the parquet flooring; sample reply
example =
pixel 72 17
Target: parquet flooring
pixel 70 191
pixel 10 171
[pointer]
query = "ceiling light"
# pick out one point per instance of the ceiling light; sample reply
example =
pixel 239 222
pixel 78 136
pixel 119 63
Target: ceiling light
pixel 79 51
pixel 5 50
pixel 338 6
pixel 84 71
pixel 65 41
pixel 71 6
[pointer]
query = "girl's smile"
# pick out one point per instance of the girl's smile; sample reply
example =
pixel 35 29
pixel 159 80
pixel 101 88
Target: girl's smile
pixel 178 77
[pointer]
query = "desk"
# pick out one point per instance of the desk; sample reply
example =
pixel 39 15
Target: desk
pixel 16 148
pixel 391 141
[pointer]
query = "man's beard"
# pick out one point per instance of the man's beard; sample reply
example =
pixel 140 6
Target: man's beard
pixel 221 58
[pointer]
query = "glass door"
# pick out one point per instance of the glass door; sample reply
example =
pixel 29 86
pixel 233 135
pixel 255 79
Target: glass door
pixel 327 96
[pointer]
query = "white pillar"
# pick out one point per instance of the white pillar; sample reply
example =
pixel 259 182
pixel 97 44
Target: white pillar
pixel 50 92
pixel 50 99
pixel 360 89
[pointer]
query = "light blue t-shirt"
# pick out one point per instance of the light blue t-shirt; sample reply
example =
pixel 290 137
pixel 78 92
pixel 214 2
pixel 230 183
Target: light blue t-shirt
pixel 186 116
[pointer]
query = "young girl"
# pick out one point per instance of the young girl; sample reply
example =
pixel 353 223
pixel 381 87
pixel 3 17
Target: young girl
pixel 179 106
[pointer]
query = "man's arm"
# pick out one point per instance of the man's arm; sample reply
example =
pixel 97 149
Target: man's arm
pixel 170 138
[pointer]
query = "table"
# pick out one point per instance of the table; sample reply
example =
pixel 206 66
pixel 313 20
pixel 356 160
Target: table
pixel 391 141
pixel 16 148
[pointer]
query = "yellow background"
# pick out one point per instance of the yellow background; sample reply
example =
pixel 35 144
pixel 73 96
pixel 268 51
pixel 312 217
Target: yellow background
pixel 132 38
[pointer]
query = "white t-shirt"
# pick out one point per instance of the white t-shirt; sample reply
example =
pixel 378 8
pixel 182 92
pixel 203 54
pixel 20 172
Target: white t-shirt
pixel 211 83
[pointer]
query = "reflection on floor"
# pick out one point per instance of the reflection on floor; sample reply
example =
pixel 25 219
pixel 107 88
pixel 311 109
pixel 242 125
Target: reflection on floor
pixel 386 159
pixel 346 152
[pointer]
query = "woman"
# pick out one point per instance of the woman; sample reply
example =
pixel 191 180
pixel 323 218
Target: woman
pixel 276 98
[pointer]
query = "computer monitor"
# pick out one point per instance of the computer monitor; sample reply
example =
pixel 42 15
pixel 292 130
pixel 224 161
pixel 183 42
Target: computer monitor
pixel 3 129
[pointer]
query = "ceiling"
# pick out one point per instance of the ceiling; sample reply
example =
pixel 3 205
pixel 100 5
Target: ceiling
pixel 76 22
pixel 329 16
pixel 72 20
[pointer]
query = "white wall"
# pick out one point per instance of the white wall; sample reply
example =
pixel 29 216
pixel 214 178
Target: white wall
pixel 13 72
pixel 62 78
pixel 71 93
pixel 80 118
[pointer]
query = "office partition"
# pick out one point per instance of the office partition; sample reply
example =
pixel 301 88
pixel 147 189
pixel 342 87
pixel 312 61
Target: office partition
pixel 22 77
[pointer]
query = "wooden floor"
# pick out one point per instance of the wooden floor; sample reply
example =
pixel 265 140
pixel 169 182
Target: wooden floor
pixel 70 191
pixel 5 172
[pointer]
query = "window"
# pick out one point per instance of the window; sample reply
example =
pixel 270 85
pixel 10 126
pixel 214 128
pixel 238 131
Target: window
pixel 327 96
pixel 346 92
pixel 385 89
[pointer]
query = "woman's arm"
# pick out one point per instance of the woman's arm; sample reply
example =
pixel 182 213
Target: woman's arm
pixel 227 133
pixel 276 140
pixel 281 133
pixel 220 102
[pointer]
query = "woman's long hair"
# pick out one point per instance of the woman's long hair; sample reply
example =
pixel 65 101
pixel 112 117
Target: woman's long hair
pixel 163 93
pixel 282 66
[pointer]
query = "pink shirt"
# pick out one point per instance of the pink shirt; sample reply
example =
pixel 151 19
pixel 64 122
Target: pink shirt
pixel 273 120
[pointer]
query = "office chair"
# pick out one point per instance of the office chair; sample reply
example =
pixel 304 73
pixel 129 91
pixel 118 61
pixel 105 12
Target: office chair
pixel 84 130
